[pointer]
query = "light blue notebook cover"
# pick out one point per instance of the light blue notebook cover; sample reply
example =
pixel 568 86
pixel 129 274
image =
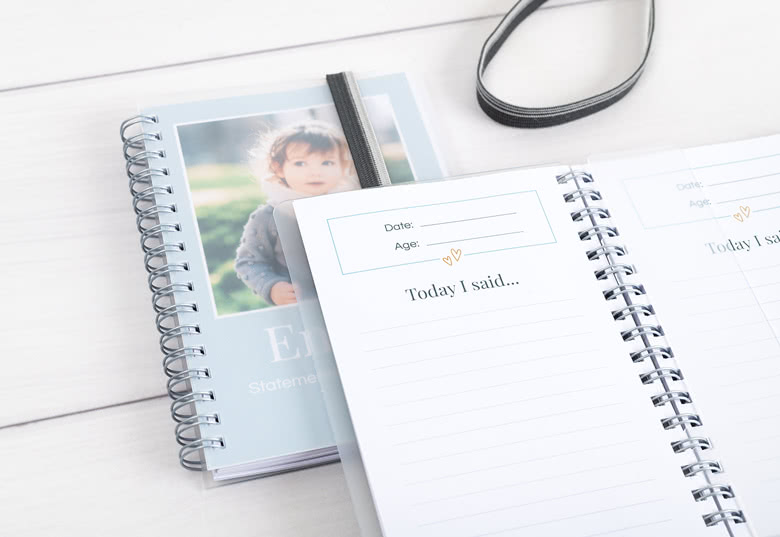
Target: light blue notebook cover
pixel 219 157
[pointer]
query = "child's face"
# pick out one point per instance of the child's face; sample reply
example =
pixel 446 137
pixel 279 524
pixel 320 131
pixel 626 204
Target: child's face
pixel 312 173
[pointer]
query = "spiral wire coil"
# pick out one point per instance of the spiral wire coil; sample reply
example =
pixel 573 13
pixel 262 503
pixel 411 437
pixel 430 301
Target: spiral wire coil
pixel 645 333
pixel 171 297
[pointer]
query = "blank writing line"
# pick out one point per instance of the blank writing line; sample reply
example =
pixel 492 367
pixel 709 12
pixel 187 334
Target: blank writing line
pixel 468 315
pixel 723 292
pixel 476 369
pixel 513 443
pixel 467 219
pixel 476 238
pixel 569 517
pixel 533 459
pixel 621 530
pixel 530 481
pixel 505 403
pixel 767 209
pixel 762 418
pixel 545 500
pixel 741 343
pixel 481 350
pixel 504 424
pixel 754 399
pixel 474 332
pixel 718 292
pixel 743 180
pixel 705 312
pixel 762 439
pixel 729 327
pixel 491 386
pixel 765 459
pixel 750 197
pixel 701 277
pixel 731 363
pixel 747 381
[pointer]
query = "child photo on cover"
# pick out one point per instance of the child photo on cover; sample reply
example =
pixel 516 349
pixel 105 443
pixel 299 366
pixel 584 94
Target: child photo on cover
pixel 240 169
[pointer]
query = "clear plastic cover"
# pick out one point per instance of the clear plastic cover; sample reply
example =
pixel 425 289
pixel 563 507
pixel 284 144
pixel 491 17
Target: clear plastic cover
pixel 322 355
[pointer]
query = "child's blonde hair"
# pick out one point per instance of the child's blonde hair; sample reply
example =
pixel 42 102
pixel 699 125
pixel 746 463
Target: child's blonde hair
pixel 270 153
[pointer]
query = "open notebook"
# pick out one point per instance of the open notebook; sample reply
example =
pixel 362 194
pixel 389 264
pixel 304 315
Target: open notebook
pixel 562 351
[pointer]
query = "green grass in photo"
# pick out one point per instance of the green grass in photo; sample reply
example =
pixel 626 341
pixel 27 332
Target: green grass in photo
pixel 224 196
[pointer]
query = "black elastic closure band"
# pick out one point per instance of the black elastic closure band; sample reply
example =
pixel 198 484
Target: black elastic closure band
pixel 361 139
pixel 519 116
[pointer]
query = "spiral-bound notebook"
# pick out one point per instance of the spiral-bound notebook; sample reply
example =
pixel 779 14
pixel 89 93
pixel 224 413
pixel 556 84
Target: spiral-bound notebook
pixel 205 178
pixel 562 351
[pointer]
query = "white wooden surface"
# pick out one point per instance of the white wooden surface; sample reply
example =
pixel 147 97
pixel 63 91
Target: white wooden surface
pixel 85 438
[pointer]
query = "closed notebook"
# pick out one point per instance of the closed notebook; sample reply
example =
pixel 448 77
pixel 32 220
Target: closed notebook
pixel 205 178
pixel 578 351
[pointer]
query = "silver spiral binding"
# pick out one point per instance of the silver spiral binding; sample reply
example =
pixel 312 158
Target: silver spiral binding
pixel 171 300
pixel 645 335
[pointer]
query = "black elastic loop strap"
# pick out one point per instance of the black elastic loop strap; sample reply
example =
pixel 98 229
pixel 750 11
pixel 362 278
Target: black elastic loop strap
pixel 518 116
pixel 354 127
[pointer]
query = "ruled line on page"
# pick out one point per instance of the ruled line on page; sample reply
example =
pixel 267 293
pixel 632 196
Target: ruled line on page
pixel 461 334
pixel 740 362
pixel 468 219
pixel 514 442
pixel 491 386
pixel 770 458
pixel 750 380
pixel 768 209
pixel 450 355
pixel 762 439
pixel 535 502
pixel 755 177
pixel 572 517
pixel 730 326
pixel 748 288
pixel 504 424
pixel 710 293
pixel 762 418
pixel 721 274
pixel 625 528
pixel 749 197
pixel 739 344
pixel 530 481
pixel 477 238
pixel 384 329
pixel 524 461
pixel 505 403
pixel 754 399
pixel 731 308
pixel 495 366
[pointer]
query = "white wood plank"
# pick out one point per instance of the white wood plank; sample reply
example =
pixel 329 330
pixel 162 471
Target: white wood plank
pixel 76 321
pixel 53 41
pixel 57 41
pixel 114 472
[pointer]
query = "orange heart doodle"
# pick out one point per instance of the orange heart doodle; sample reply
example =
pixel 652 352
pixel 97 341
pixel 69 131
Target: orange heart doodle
pixel 455 254
pixel 739 217
pixel 745 210
pixel 447 260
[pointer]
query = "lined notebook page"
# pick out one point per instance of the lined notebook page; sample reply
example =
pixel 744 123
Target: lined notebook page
pixel 703 228
pixel 490 392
